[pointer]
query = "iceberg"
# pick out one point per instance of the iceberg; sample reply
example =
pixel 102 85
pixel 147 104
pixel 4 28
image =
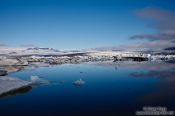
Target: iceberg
pixel 38 80
pixel 79 82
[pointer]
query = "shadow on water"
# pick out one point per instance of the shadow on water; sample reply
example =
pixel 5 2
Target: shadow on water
pixel 16 92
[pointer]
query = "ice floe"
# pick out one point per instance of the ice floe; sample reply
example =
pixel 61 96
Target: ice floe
pixel 79 82
pixel 8 84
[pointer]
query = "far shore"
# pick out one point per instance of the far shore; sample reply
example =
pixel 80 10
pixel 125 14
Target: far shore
pixel 13 61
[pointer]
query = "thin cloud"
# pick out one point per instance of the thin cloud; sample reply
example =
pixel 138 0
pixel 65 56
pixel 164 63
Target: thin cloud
pixel 145 46
pixel 163 19
pixel 163 22
pixel 155 37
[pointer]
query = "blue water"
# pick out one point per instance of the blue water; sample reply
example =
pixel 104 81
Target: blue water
pixel 107 91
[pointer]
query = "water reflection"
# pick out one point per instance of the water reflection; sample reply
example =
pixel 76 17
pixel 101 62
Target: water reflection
pixel 144 69
pixel 159 65
pixel 163 92
pixel 157 74
pixel 110 87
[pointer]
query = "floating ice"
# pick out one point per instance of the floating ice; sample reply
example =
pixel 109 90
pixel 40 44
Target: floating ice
pixel 8 84
pixel 79 82
pixel 38 80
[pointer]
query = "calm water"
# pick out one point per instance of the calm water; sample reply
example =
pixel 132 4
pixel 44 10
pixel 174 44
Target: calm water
pixel 110 89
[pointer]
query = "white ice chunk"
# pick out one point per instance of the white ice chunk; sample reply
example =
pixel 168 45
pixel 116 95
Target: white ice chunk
pixel 79 82
pixel 8 84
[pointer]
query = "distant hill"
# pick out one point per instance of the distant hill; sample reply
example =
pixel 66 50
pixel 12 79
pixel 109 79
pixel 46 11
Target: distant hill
pixel 47 49
pixel 170 48
pixel 37 48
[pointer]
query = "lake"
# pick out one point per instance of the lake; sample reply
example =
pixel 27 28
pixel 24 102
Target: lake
pixel 110 88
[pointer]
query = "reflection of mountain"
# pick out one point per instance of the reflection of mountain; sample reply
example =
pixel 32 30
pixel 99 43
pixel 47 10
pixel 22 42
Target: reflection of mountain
pixel 163 92
pixel 158 74
pixel 145 69
pixel 161 70
pixel 146 66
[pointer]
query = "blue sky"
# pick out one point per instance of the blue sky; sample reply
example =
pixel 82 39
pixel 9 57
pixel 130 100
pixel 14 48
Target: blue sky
pixel 75 24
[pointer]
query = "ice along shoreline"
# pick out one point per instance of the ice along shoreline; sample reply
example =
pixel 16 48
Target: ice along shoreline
pixel 10 62
pixel 10 84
